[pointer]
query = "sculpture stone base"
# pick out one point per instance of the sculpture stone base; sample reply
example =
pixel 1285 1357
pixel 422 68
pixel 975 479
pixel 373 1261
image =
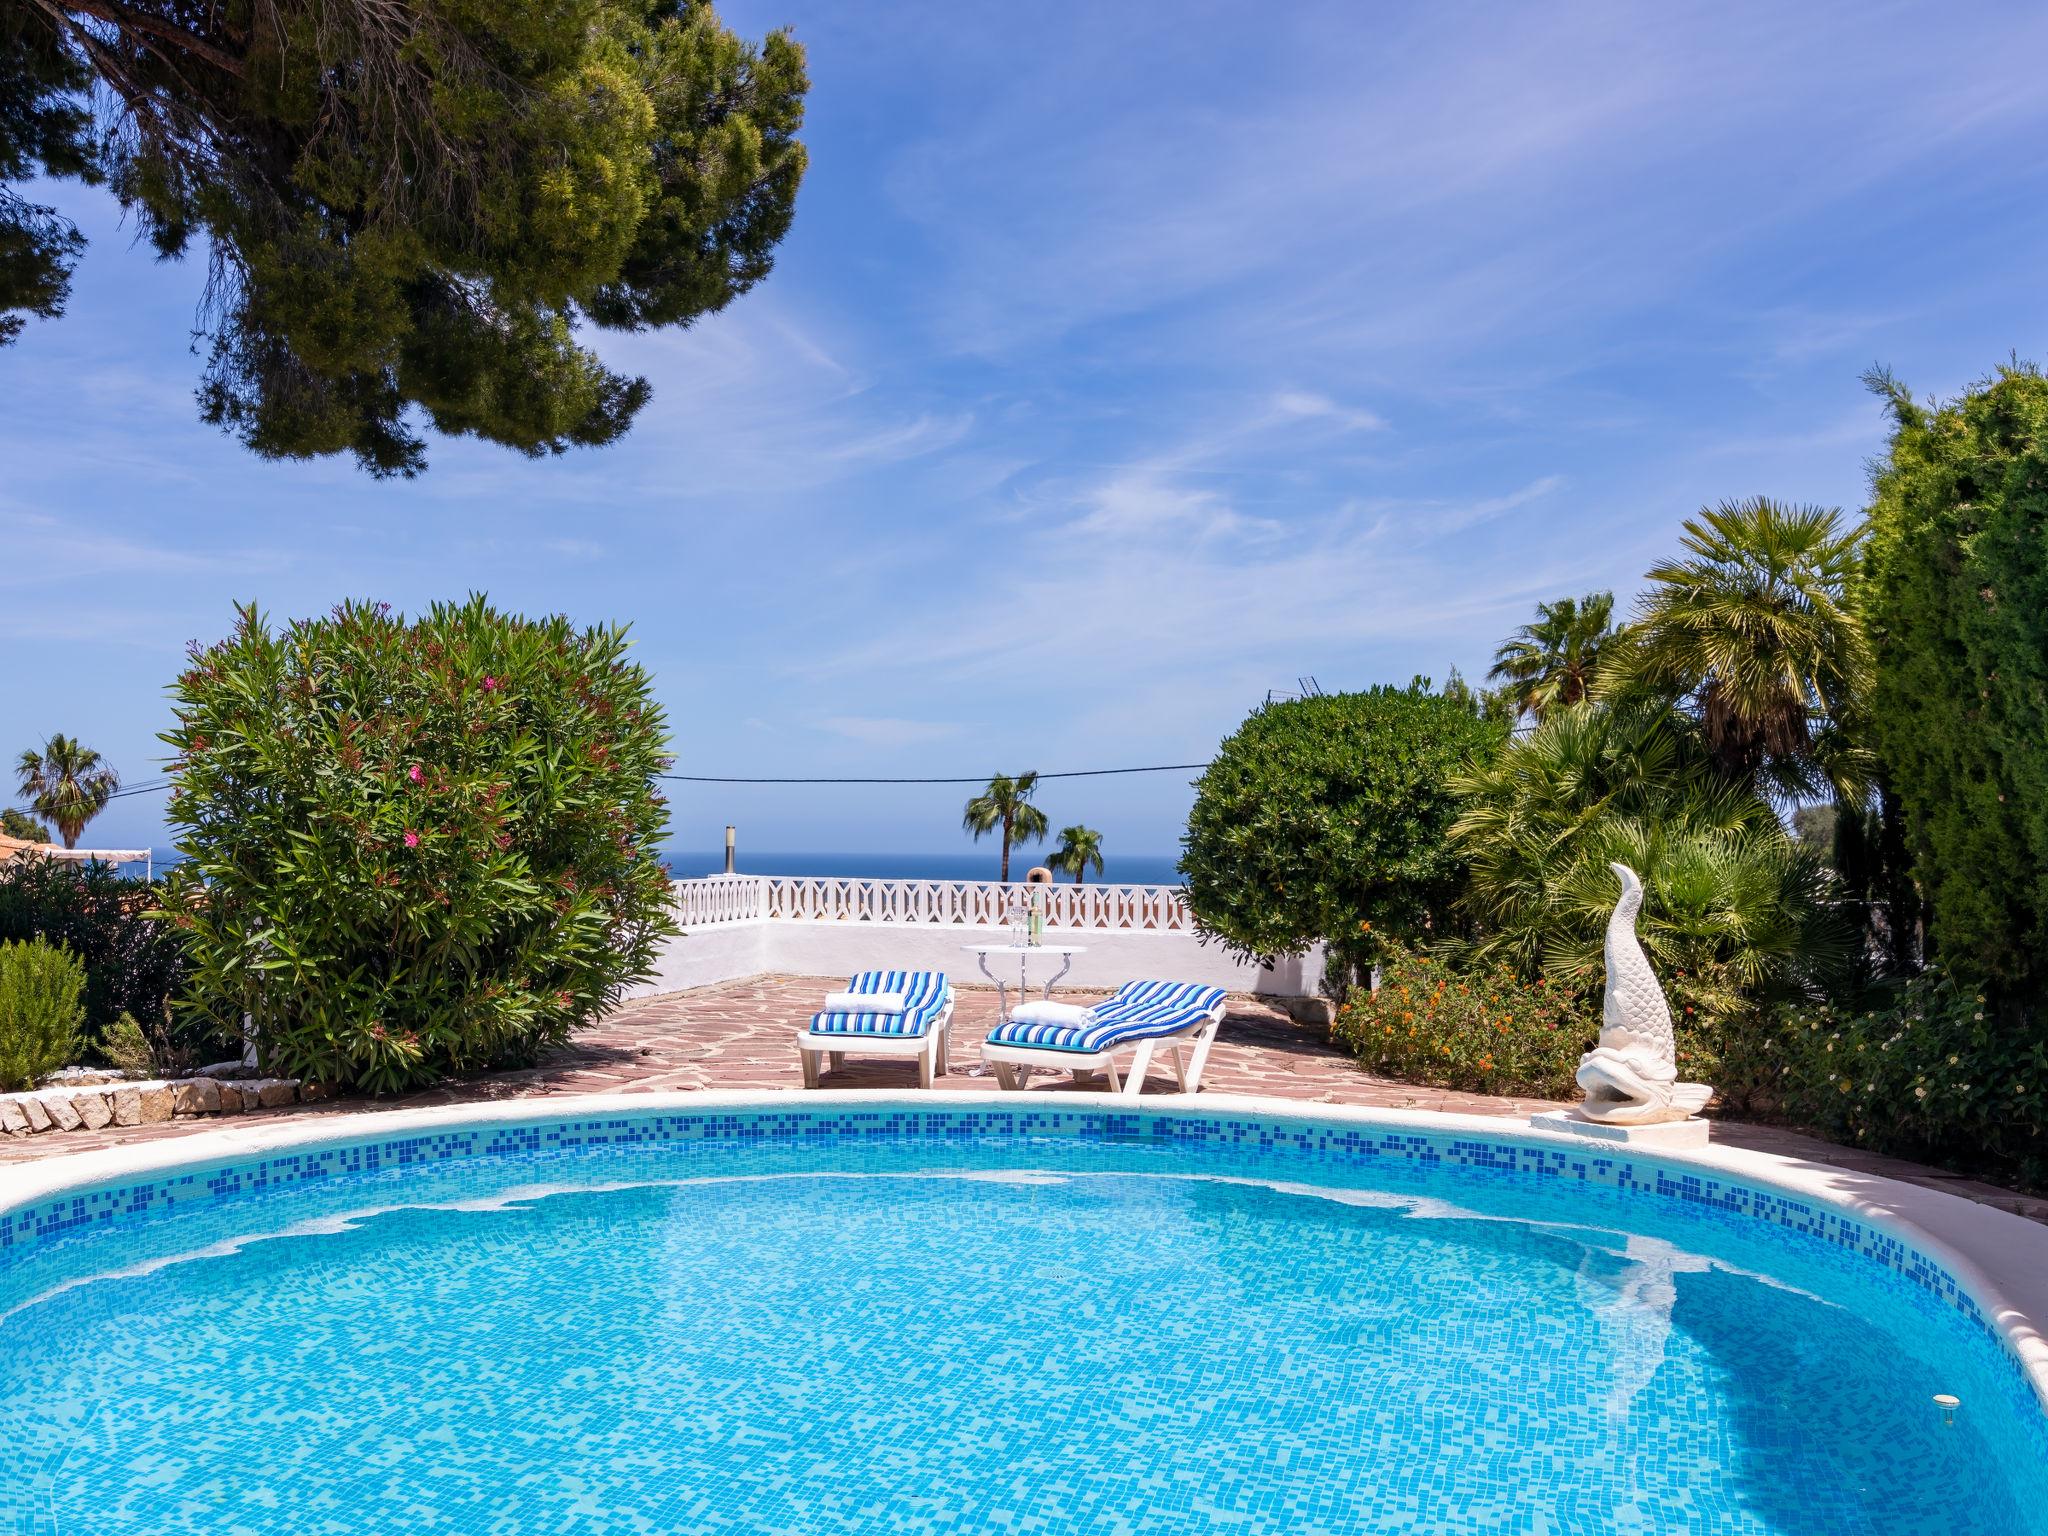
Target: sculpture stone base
pixel 1663 1133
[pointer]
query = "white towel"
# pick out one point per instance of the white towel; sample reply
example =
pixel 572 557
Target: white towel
pixel 864 1002
pixel 1052 1013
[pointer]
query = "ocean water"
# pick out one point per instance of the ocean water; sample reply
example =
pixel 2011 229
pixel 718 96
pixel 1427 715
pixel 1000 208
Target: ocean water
pixel 901 1337
pixel 1117 869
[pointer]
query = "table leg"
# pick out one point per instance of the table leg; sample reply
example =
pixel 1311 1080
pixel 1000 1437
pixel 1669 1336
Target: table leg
pixel 1066 965
pixel 1002 992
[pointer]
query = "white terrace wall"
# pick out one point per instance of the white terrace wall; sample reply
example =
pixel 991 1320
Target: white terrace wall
pixel 736 926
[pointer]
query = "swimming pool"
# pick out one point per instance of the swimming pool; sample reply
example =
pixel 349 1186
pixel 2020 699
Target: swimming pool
pixel 915 1316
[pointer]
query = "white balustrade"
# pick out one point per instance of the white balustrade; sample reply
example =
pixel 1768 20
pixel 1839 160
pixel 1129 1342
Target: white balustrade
pixel 718 899
pixel 943 903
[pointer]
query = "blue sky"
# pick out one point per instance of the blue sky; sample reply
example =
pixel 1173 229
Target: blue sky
pixel 1124 362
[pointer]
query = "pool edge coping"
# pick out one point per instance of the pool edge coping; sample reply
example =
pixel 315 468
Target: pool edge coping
pixel 1999 1259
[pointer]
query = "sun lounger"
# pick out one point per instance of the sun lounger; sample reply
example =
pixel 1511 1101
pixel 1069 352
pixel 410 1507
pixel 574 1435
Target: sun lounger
pixel 883 1013
pixel 1141 1014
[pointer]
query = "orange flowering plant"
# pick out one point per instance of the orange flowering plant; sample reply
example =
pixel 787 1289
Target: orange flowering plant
pixel 1482 1030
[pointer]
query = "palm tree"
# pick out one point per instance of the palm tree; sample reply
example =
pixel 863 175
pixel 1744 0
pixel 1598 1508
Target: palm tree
pixel 1551 662
pixel 1005 806
pixel 1079 847
pixel 66 784
pixel 1753 627
pixel 1735 907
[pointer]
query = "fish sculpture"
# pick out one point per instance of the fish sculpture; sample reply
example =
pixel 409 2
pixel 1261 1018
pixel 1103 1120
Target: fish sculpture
pixel 1631 1076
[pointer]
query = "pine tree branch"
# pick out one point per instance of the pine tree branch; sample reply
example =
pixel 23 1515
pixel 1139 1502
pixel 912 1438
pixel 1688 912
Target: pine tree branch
pixel 133 20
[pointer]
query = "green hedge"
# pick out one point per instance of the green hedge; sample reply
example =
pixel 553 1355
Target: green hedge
pixel 1957 603
pixel 416 848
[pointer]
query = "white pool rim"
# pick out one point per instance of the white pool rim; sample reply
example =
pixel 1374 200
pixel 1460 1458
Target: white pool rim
pixel 2000 1260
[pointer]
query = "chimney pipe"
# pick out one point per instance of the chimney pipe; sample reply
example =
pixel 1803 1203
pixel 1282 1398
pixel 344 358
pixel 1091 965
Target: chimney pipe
pixel 730 838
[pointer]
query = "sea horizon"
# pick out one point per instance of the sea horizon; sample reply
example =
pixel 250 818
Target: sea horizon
pixel 1123 869
pixel 1120 869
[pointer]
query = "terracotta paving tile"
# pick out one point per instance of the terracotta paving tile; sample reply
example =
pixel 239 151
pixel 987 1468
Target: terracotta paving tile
pixel 740 1035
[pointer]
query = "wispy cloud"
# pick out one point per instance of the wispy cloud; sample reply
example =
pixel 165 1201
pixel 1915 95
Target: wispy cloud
pixel 1085 404
pixel 925 434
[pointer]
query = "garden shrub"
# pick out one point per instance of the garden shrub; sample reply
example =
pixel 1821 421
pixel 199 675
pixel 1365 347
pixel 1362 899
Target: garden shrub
pixel 1324 818
pixel 1479 1027
pixel 1934 1074
pixel 42 1005
pixel 415 848
pixel 129 1050
pixel 1482 1030
pixel 133 964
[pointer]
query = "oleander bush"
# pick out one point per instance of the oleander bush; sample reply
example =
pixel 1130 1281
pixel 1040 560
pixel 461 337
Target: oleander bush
pixel 415 847
pixel 42 1006
pixel 1933 1074
pixel 133 964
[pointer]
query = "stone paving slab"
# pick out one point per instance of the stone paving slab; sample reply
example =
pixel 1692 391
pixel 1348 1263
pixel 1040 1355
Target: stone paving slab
pixel 741 1035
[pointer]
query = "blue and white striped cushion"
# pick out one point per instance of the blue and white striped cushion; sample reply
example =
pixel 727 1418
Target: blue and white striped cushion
pixel 1140 1010
pixel 925 995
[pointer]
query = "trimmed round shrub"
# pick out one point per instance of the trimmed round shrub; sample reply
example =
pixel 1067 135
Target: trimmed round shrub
pixel 1327 818
pixel 42 992
pixel 415 848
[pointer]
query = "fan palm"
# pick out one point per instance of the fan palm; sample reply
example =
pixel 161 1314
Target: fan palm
pixel 1733 906
pixel 1754 628
pixel 66 784
pixel 1079 848
pixel 1005 807
pixel 1552 662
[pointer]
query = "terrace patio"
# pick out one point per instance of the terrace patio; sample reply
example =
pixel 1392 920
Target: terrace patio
pixel 739 1034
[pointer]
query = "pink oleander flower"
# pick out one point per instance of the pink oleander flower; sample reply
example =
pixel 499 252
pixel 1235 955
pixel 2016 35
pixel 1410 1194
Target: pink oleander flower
pixel 412 839
pixel 414 773
pixel 490 685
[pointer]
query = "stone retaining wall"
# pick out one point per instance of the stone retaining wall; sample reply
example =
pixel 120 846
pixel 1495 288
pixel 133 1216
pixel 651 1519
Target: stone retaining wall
pixel 92 1106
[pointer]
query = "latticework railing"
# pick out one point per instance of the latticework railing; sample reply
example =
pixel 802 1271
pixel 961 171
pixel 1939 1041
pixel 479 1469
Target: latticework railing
pixel 942 903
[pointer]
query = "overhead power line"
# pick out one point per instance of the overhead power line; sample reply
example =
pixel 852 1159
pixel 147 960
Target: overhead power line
pixel 972 778
pixel 139 789
pixel 703 778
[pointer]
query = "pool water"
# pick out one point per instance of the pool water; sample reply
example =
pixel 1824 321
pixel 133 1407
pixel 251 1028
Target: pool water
pixel 1031 1335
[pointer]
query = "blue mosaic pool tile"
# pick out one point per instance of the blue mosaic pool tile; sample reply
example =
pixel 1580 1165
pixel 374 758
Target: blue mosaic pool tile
pixel 1280 1325
pixel 71 1215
